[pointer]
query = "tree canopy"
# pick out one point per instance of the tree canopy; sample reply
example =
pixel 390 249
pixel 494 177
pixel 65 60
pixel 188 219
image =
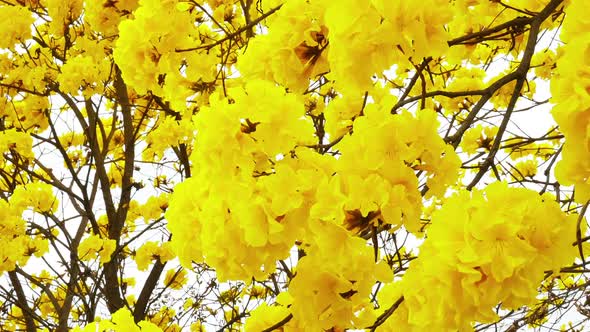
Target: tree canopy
pixel 294 165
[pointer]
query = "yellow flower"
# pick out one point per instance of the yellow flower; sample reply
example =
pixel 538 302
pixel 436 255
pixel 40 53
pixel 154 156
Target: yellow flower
pixel 122 321
pixel 83 72
pixel 484 248
pixel 198 327
pixel 175 279
pixel 145 254
pixel 478 137
pixel 525 168
pixel 295 49
pixel 38 196
pixel 265 316
pixel 95 245
pixel 17 25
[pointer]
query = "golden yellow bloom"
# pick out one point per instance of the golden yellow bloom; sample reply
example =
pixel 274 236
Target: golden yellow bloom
pixel 95 245
pixel 17 25
pixel 175 279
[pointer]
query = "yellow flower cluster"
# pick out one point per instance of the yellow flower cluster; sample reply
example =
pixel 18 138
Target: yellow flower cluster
pixel 238 140
pixel 483 248
pixel 379 160
pixel 25 111
pixel 153 208
pixel 18 245
pixel 144 49
pixel 152 250
pixel 168 132
pixel 95 245
pixel 477 15
pixel 253 145
pixel 28 114
pixel 464 79
pixel 63 13
pixel 146 52
pixel 12 140
pixel 340 114
pixel 83 72
pixel 104 16
pixel 478 137
pixel 367 37
pixel 297 27
pixel 121 321
pixel 164 319
pixel 16 27
pixel 544 64
pixel 38 196
pixel 176 279
pixel 571 94
pixel 525 168
pixel 332 286
pixel 265 316
pixel 353 40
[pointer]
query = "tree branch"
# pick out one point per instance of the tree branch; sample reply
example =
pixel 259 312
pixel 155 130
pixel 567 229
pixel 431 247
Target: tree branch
pixel 21 302
pixel 520 75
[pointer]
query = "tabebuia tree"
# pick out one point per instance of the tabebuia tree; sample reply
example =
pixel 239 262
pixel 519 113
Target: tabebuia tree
pixel 294 165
